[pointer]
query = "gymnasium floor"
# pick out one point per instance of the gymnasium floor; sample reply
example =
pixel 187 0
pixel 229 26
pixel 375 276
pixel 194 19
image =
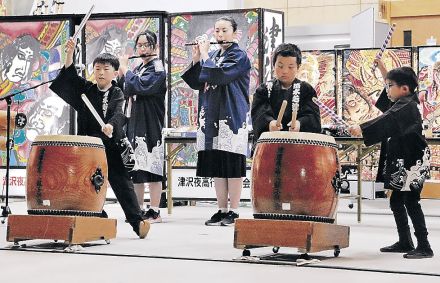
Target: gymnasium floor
pixel 182 249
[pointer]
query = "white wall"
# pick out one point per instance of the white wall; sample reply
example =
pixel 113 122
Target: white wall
pixel 26 7
pixel 318 37
pixel 172 6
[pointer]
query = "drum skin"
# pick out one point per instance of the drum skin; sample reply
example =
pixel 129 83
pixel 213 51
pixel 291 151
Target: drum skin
pixel 294 174
pixel 60 171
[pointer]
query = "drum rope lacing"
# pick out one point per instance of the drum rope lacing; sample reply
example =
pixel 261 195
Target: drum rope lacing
pixel 66 143
pixel 65 212
pixel 280 216
pixel 297 141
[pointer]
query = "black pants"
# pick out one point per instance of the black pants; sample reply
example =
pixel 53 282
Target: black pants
pixel 407 203
pixel 123 187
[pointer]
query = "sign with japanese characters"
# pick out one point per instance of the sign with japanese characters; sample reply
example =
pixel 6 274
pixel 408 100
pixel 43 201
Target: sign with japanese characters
pixel 17 182
pixel 272 37
pixel 187 185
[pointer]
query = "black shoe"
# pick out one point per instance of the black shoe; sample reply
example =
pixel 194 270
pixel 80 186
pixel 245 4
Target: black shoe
pixel 397 248
pixel 229 219
pixel 152 216
pixel 419 252
pixel 216 219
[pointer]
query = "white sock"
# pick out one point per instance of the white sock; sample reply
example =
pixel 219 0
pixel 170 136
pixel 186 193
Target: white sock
pixel 224 210
pixel 156 209
pixel 235 210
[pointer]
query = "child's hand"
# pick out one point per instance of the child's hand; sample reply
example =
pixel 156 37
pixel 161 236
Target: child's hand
pixel 203 44
pixel 381 66
pixel 123 67
pixel 107 130
pixel 70 49
pixel 195 54
pixel 355 131
pixel 273 126
pixel 296 128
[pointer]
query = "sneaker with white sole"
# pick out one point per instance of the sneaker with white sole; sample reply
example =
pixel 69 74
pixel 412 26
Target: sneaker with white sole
pixel 229 219
pixel 215 219
pixel 152 216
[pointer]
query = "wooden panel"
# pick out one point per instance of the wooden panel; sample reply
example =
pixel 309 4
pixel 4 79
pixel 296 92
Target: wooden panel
pixel 414 8
pixel 88 229
pixel 431 189
pixel 73 229
pixel 306 235
pixel 418 26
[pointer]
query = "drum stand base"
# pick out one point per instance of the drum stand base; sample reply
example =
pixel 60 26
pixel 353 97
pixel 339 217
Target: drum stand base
pixel 308 236
pixel 72 229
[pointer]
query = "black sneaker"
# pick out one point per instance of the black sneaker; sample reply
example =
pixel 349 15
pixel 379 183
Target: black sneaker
pixel 229 219
pixel 216 219
pixel 397 248
pixel 419 252
pixel 152 216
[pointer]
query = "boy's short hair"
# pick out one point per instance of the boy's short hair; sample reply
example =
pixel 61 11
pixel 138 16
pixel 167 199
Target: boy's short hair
pixel 287 50
pixel 107 58
pixel 404 76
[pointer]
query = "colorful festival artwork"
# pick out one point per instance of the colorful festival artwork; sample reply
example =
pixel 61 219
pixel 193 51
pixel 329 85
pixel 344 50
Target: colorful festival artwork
pixel 361 86
pixel 31 52
pixel 429 95
pixel 429 83
pixel 116 36
pixel 318 69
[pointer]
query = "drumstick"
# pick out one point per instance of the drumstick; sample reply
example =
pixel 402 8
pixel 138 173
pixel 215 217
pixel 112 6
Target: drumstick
pixel 281 113
pixel 83 22
pixel 293 122
pixel 384 45
pixel 93 111
pixel 330 112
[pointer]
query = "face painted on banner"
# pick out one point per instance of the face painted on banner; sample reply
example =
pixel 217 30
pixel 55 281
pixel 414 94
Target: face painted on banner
pixel 286 69
pixel 17 59
pixel 20 65
pixel 113 47
pixel 47 118
pixel 356 108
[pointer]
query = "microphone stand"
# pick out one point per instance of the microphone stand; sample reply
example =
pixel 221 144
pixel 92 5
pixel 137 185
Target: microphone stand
pixel 5 209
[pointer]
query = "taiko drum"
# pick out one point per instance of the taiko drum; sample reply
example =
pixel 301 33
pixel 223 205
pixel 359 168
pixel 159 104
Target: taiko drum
pixel 295 176
pixel 66 175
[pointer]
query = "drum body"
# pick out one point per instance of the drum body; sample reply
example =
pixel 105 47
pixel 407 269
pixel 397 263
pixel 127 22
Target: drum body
pixel 4 124
pixel 66 175
pixel 295 176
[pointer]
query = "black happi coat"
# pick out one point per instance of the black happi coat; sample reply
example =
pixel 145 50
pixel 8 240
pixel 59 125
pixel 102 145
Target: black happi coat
pixel 404 159
pixel 69 86
pixel 145 87
pixel 267 102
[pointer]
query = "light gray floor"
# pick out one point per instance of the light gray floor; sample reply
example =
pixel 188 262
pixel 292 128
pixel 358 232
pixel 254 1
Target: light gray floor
pixel 182 249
